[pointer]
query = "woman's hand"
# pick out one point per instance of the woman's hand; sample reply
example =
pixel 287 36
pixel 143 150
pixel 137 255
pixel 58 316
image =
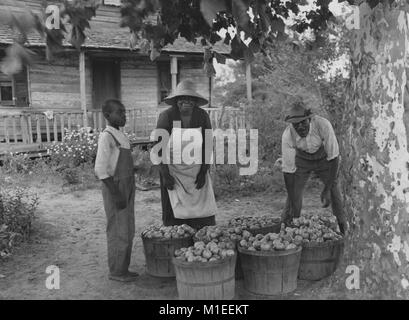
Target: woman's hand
pixel 168 181
pixel 278 164
pixel 200 180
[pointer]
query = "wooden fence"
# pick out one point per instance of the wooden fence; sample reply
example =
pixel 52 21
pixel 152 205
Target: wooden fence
pixel 32 131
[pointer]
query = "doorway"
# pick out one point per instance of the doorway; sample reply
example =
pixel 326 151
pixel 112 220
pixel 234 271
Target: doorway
pixel 106 81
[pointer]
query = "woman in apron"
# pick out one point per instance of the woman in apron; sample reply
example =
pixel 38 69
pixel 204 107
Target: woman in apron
pixel 186 188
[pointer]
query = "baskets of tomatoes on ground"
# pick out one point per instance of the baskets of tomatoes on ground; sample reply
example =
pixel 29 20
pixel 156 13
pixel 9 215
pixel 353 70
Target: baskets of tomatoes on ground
pixel 270 263
pixel 227 236
pixel 205 271
pixel 160 243
pixel 257 225
pixel 322 243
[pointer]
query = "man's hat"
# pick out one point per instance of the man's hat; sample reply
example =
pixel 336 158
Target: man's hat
pixel 186 88
pixel 298 112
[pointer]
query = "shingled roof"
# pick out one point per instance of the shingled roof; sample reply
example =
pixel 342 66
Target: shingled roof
pixel 110 36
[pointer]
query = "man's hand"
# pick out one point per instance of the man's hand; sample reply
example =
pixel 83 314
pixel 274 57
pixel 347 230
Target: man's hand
pixel 168 181
pixel 278 164
pixel 120 200
pixel 326 198
pixel 200 180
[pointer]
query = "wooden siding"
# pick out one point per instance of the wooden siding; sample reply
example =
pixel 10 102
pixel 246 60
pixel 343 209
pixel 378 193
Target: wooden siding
pixel 55 86
pixel 139 83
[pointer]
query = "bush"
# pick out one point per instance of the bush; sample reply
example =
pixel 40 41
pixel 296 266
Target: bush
pixel 17 207
pixel 16 163
pixel 77 147
pixel 269 120
pixel 228 182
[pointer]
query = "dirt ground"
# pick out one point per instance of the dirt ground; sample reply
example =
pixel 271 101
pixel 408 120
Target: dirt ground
pixel 69 232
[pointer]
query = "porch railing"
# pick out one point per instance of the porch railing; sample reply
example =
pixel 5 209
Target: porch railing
pixel 41 128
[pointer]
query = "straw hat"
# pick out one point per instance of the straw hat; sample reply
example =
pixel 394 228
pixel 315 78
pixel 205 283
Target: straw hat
pixel 298 112
pixel 186 88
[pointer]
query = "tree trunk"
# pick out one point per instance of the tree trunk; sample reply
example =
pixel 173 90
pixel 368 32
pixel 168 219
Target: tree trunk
pixel 375 164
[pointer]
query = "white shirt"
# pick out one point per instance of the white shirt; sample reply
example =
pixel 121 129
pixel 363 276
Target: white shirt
pixel 321 133
pixel 108 152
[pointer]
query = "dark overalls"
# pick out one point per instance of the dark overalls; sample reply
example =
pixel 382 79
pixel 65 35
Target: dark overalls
pixel 306 163
pixel 120 223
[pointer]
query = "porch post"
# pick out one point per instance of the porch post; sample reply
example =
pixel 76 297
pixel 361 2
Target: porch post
pixel 83 88
pixel 174 71
pixel 248 82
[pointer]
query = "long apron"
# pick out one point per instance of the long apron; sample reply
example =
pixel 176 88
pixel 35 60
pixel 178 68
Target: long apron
pixel 186 204
pixel 120 223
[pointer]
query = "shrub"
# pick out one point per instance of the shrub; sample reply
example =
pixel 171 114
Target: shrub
pixel 77 147
pixel 16 163
pixel 268 119
pixel 17 207
pixel 228 182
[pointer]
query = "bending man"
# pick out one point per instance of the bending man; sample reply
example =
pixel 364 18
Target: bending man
pixel 309 145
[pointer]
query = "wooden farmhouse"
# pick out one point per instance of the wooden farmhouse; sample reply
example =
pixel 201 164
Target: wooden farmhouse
pixel 68 91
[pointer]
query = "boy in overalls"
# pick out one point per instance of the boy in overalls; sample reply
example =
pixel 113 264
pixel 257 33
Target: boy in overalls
pixel 114 167
pixel 309 145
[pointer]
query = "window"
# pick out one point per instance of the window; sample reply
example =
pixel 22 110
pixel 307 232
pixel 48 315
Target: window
pixel 6 92
pixel 116 3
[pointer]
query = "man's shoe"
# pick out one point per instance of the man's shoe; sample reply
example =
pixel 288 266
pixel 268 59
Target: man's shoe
pixel 122 278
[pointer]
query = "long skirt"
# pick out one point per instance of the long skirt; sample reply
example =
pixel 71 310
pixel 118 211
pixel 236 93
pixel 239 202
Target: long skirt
pixel 169 218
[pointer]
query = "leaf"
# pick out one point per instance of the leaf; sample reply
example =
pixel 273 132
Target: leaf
pixel 54 39
pixel 214 37
pixel 144 46
pixel 77 37
pixel 24 21
pixel 133 41
pixel 239 11
pixel 254 45
pixel 227 39
pixel 16 57
pixel 220 58
pixel 277 25
pixel 210 8
pixel 154 54
pixel 237 48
